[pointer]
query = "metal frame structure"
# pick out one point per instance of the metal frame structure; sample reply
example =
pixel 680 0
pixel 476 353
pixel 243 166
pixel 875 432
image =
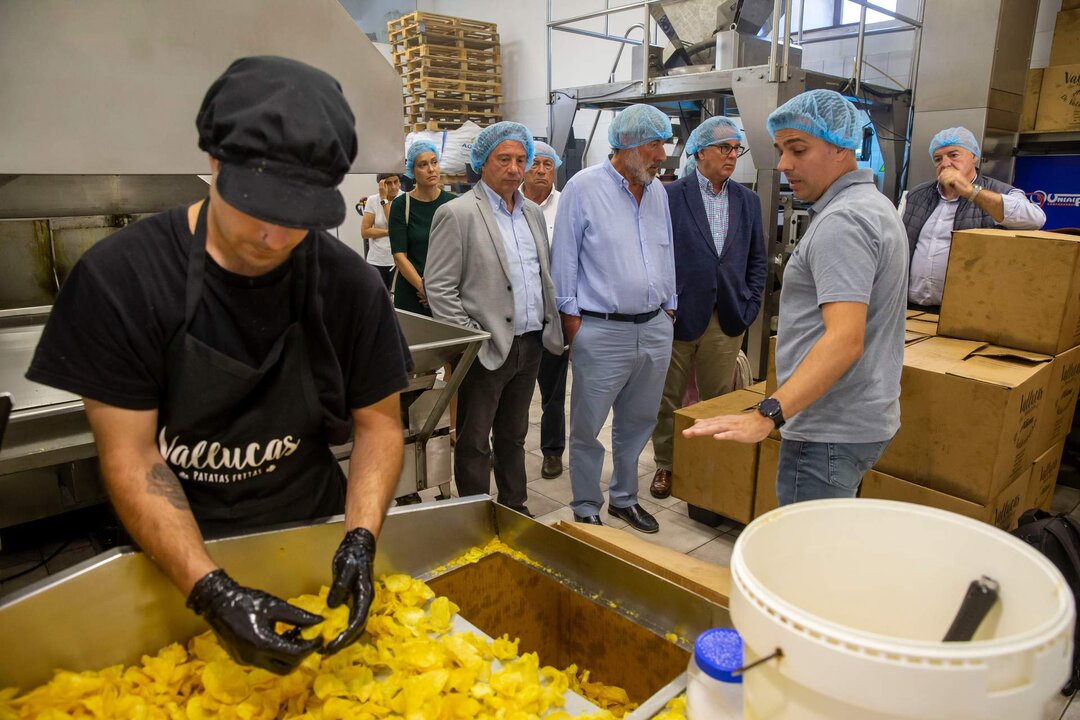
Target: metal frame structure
pixel 757 91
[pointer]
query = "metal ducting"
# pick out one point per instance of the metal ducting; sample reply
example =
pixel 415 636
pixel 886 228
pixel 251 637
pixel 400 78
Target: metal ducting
pixel 973 64
pixel 100 97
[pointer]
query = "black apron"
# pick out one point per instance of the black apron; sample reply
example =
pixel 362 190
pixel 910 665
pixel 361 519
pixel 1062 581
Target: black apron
pixel 247 443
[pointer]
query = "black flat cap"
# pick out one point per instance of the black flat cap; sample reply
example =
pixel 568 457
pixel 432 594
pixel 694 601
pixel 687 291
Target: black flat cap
pixel 285 137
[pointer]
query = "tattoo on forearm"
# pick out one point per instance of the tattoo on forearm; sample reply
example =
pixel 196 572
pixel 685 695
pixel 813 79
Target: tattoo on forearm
pixel 161 481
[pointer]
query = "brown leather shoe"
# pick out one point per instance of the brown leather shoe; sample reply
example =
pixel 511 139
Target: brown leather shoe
pixel 552 467
pixel 661 484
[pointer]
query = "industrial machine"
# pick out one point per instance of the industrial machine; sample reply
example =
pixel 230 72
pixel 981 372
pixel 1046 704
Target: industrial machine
pixel 579 604
pixel 125 146
pixel 735 71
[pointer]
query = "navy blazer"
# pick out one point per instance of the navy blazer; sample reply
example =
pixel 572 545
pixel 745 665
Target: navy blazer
pixel 733 285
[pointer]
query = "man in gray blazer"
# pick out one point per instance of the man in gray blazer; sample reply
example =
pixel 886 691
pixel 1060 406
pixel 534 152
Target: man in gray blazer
pixel 487 268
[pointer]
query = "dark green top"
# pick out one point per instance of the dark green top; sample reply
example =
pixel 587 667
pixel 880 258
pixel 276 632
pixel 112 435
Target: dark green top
pixel 413 241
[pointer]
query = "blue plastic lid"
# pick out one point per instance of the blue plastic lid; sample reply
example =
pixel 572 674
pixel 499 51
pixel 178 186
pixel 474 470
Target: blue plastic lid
pixel 719 652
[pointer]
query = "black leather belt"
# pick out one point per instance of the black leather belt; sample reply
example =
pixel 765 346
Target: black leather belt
pixel 620 317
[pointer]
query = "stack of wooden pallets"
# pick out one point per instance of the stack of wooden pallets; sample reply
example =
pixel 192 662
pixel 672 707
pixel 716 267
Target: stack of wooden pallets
pixel 450 69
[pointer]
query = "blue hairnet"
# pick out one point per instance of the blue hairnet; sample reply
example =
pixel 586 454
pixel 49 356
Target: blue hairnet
pixel 637 125
pixel 542 148
pixel 415 150
pixel 822 113
pixel 959 136
pixel 712 131
pixel 690 167
pixel 492 135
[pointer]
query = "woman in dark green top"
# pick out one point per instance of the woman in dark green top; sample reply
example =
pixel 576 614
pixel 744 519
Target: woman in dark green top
pixel 409 241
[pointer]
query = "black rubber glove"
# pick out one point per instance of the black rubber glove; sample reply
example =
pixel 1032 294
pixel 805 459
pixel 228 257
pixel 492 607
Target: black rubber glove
pixel 244 618
pixel 352 579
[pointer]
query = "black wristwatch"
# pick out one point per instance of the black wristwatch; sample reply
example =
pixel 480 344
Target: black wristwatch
pixel 770 408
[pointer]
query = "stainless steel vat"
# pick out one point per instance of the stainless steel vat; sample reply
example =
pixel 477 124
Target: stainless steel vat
pixel 118 606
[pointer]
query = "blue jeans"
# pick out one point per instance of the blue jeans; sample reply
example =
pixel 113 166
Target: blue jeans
pixel 818 470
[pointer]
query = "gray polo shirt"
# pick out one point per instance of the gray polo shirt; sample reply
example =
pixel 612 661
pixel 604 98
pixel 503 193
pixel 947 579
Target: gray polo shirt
pixel 855 250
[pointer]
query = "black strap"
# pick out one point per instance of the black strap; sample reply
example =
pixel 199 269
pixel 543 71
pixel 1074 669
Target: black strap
pixel 1069 543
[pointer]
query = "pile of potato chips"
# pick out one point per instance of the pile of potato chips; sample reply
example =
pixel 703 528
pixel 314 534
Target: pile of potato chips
pixel 411 667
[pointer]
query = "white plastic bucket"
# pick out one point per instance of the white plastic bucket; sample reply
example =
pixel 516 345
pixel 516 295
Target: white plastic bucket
pixel 858 594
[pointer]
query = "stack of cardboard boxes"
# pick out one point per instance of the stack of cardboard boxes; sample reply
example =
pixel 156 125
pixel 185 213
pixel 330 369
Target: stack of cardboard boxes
pixel 987 394
pixel 1052 99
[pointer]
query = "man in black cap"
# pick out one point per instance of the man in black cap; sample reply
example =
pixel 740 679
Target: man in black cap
pixel 220 349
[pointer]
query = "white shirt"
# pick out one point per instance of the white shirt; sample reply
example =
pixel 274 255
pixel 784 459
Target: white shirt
pixel 931 257
pixel 379 248
pixel 549 206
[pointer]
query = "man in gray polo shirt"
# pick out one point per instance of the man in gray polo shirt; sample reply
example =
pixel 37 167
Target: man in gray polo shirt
pixel 840 339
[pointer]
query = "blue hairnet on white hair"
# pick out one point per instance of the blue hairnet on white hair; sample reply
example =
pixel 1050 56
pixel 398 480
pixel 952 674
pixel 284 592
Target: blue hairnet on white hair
pixel 492 135
pixel 825 114
pixel 542 148
pixel 712 131
pixel 415 150
pixel 637 125
pixel 959 136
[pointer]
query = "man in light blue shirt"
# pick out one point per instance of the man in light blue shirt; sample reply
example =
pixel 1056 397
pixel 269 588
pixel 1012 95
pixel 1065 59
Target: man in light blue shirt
pixel 487 268
pixel 613 265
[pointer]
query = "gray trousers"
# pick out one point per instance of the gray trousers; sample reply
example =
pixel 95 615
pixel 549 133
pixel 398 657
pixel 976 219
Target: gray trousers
pixel 618 366
pixel 495 404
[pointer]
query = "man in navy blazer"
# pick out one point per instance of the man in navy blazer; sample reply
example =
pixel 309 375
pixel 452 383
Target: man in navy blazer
pixel 720 271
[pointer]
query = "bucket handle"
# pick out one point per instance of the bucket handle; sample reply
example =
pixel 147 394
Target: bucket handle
pixel 777 654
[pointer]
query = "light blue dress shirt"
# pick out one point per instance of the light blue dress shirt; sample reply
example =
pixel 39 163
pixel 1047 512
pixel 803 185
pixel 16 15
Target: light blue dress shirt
pixel 609 254
pixel 521 258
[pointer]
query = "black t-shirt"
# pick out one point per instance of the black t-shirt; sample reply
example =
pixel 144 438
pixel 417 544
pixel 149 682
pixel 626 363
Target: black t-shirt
pixel 107 335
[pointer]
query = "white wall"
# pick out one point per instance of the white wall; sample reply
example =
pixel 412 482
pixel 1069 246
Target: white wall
pixel 1044 32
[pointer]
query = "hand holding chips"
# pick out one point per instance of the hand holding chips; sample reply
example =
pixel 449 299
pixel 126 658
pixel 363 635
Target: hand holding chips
pixel 244 620
pixel 352 568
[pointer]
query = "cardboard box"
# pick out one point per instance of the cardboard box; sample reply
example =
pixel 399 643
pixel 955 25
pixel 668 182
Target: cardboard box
pixel 1044 474
pixel 770 373
pixel 714 474
pixel 921 326
pixel 1059 99
pixel 1002 511
pixel 1060 403
pixel 1014 288
pixel 1065 47
pixel 1032 91
pixel 758 388
pixel 765 494
pixel 968 416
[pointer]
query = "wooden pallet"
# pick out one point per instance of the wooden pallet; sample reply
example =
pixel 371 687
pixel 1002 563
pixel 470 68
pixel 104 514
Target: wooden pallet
pixel 438 125
pixel 441 53
pixel 446 37
pixel 433 106
pixel 418 84
pixel 425 69
pixel 418 17
pixel 448 96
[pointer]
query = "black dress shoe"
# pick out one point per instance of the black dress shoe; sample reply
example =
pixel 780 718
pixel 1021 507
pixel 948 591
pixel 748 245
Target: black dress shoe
pixel 552 467
pixel 522 510
pixel 588 519
pixel 636 516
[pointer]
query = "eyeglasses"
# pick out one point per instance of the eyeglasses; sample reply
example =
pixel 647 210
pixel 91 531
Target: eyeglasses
pixel 739 150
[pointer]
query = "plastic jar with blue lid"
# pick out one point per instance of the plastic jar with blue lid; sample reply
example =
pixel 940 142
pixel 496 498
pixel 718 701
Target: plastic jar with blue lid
pixel 712 692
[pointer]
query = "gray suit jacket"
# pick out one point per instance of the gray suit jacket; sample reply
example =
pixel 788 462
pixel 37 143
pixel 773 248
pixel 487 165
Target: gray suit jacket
pixel 467 279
